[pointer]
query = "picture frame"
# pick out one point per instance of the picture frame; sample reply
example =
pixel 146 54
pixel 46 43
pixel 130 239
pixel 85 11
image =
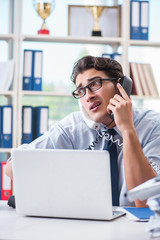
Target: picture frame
pixel 81 21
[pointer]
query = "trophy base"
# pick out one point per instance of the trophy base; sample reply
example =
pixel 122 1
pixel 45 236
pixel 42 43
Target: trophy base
pixel 43 31
pixel 96 33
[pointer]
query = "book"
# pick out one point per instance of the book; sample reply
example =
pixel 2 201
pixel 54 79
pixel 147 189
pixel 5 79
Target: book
pixel 149 76
pixel 136 79
pixel 144 83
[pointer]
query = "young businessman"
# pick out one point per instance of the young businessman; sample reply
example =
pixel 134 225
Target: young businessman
pixel 99 92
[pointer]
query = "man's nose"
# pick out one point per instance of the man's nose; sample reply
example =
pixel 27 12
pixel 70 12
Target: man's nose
pixel 89 94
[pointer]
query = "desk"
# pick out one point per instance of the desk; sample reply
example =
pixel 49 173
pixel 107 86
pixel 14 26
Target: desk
pixel 13 226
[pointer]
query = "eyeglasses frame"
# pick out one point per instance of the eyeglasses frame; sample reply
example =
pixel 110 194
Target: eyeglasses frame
pixel 87 86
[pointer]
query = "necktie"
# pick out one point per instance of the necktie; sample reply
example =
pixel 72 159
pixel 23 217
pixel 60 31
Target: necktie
pixel 112 149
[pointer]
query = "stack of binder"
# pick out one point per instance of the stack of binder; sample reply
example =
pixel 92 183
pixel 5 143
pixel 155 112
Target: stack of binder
pixel 6 128
pixel 139 19
pixel 34 122
pixel 32 70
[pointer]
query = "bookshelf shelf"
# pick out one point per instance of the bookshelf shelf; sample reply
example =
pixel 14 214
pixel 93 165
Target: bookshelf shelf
pixel 144 43
pixel 43 93
pixel 69 39
pixel 5 150
pixel 7 93
pixel 7 37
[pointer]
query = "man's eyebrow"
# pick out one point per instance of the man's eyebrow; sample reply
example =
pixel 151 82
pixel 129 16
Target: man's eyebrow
pixel 89 79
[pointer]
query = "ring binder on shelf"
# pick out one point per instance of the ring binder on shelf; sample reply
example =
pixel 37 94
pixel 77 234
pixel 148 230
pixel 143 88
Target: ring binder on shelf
pixel 27 69
pixel 6 140
pixel 144 20
pixel 6 183
pixel 37 70
pixel 135 19
pixel 40 124
pixel 27 114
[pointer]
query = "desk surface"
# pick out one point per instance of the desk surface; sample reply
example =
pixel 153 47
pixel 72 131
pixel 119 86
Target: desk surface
pixel 13 226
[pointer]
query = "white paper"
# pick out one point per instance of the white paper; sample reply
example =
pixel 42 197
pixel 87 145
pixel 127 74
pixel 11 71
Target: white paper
pixel 6 74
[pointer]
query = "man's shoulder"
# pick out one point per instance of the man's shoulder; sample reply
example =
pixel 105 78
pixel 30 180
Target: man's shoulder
pixel 74 118
pixel 141 115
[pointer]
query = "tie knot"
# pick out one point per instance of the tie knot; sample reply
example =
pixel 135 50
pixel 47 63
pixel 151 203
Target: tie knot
pixel 111 131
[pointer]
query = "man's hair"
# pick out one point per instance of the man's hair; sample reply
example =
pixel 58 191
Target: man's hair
pixel 110 67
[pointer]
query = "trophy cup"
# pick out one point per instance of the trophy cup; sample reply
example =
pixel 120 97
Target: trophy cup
pixel 44 9
pixel 96 13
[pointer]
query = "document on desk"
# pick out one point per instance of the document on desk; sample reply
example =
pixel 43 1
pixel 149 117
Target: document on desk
pixel 138 214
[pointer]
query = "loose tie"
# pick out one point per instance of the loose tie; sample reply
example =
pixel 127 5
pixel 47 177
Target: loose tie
pixel 112 149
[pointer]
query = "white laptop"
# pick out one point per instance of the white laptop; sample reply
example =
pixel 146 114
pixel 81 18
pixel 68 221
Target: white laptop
pixel 63 184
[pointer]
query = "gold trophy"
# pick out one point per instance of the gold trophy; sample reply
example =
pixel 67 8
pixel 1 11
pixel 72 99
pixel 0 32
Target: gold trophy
pixel 44 9
pixel 96 13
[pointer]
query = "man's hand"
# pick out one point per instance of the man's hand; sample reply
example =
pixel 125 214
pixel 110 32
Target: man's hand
pixel 121 106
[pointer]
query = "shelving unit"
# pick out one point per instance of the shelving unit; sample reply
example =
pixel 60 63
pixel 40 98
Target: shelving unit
pixel 12 40
pixel 15 39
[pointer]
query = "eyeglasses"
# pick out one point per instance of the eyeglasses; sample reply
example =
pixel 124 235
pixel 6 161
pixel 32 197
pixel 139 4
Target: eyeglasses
pixel 92 86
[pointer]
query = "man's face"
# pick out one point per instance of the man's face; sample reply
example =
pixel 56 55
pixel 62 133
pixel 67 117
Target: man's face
pixel 95 103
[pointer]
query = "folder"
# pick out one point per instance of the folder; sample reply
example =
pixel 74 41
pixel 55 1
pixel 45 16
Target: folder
pixel 6 183
pixel 40 120
pixel 7 116
pixel 135 19
pixel 27 69
pixel 138 214
pixel 27 113
pixel 37 70
pixel 144 22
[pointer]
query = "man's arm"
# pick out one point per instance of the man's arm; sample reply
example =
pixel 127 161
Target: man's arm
pixel 136 167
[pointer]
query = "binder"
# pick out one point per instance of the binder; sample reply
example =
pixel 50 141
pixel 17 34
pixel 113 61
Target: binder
pixel 144 20
pixel 37 70
pixel 27 69
pixel 134 19
pixel 40 120
pixel 27 114
pixel 0 124
pixel 0 182
pixel 6 183
pixel 7 116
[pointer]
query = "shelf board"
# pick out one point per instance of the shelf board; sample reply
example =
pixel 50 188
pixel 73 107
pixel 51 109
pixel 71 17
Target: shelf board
pixel 5 150
pixel 6 93
pixel 7 37
pixel 70 39
pixel 144 43
pixel 136 97
pixel 43 93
